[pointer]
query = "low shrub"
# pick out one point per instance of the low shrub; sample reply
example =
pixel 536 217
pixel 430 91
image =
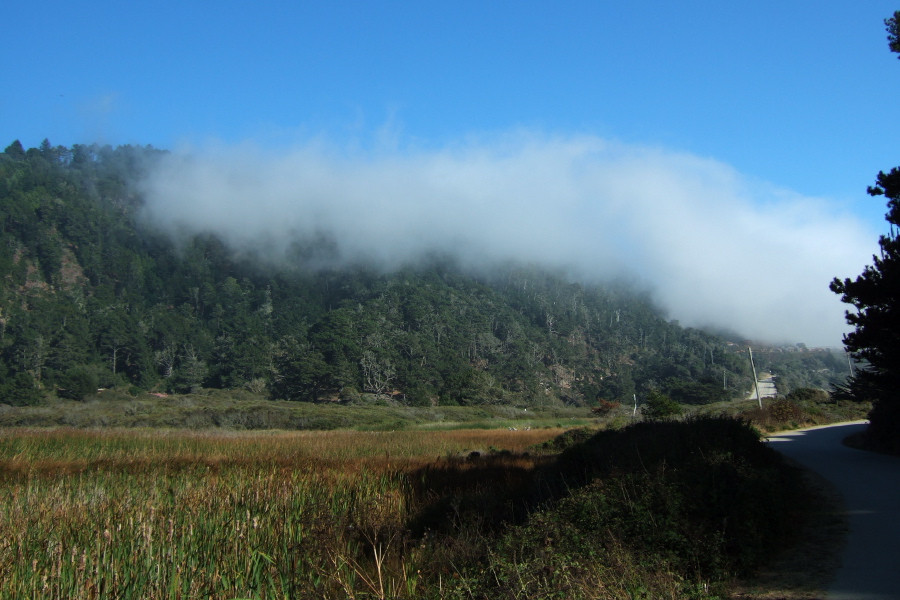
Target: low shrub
pixel 659 407
pixel 566 439
pixel 809 395
pixel 664 507
pixel 605 407
pixel 78 383
pixel 785 410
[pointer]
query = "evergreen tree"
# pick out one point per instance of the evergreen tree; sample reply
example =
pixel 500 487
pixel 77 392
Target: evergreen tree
pixel 660 407
pixel 78 383
pixel 300 372
pixel 875 294
pixel 15 150
pixel 86 284
pixel 893 28
pixel 21 390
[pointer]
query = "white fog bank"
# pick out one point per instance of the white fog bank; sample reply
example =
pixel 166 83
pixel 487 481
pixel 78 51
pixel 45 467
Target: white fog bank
pixel 716 248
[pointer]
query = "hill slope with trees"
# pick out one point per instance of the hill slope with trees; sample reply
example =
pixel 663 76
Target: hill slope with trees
pixel 91 296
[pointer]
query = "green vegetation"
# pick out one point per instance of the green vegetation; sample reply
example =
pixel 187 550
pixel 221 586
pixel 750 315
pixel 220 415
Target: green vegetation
pixel 105 322
pixel 667 509
pixel 92 295
pixel 876 302
pixel 245 411
pixel 78 383
pixel 803 407
pixel 803 368
pixel 656 510
pixel 660 407
pixel 241 410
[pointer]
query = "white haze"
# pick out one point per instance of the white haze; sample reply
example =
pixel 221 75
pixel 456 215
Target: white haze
pixel 717 249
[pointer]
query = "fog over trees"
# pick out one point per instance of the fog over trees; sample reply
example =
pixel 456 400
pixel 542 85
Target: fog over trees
pixel 98 293
pixel 714 248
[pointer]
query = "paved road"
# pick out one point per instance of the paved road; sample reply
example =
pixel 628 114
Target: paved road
pixel 766 389
pixel 870 485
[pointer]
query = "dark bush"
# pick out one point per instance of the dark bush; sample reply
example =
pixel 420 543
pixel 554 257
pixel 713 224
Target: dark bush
pixel 883 433
pixel 605 407
pixel 785 411
pixel 78 383
pixel 664 506
pixel 566 439
pixel 21 390
pixel 660 407
pixel 806 394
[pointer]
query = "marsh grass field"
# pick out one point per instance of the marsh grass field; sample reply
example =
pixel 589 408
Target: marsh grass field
pixel 655 510
pixel 150 514
pixel 242 410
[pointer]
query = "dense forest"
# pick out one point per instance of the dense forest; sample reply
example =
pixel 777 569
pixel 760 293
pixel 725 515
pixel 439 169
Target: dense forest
pixel 93 296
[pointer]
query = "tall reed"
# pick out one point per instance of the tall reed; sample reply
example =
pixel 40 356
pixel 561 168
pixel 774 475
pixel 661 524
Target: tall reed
pixel 187 515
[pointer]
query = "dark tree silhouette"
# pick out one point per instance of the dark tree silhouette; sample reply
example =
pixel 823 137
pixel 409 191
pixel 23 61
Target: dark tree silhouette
pixel 893 28
pixel 875 294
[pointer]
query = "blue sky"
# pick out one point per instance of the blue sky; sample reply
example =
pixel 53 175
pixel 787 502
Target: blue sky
pixel 795 98
pixel 801 94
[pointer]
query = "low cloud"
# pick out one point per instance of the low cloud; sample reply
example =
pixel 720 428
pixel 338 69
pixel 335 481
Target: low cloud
pixel 716 248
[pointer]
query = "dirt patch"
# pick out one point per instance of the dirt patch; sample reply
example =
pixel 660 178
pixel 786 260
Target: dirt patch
pixel 71 274
pixel 804 570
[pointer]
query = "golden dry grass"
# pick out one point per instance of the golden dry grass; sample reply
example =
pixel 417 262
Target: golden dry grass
pixel 148 514
pixel 78 445
pixel 339 514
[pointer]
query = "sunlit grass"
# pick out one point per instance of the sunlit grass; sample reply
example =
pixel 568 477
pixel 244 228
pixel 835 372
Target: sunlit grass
pixel 76 446
pixel 406 514
pixel 149 514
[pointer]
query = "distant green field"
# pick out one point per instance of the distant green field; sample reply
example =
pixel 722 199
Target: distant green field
pixel 242 410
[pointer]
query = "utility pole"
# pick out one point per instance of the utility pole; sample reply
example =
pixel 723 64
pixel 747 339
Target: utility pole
pixel 755 378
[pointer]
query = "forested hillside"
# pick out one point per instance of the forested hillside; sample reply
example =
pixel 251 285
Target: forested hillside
pixel 91 296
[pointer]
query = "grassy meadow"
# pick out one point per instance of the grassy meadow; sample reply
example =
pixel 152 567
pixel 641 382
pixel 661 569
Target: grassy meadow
pixel 655 510
pixel 149 514
pixel 243 410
